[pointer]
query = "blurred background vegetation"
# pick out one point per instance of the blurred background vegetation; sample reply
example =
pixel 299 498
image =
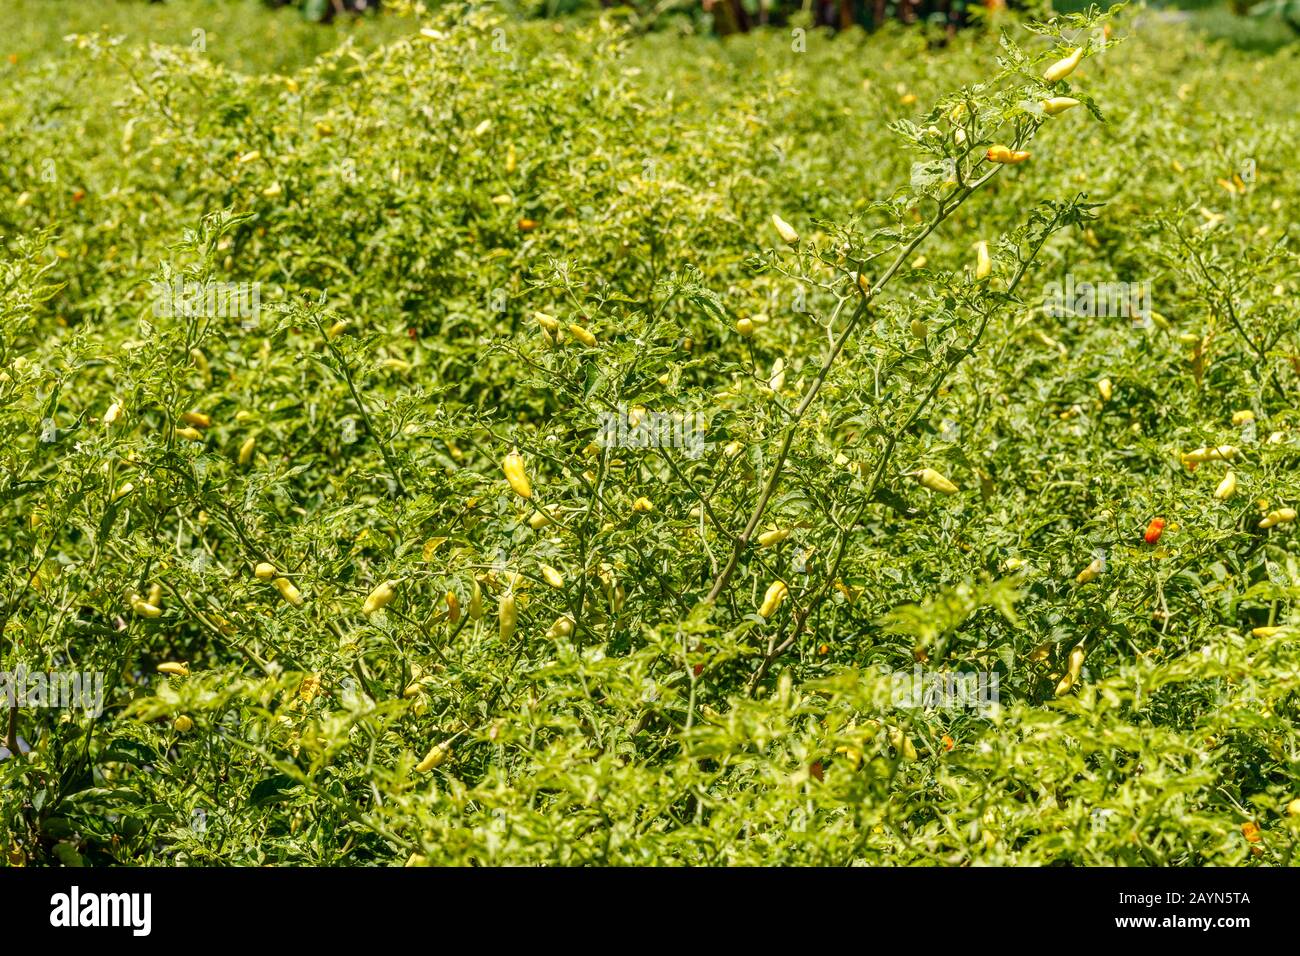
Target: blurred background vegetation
pixel 291 33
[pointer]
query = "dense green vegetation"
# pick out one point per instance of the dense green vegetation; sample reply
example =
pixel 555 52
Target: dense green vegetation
pixel 404 205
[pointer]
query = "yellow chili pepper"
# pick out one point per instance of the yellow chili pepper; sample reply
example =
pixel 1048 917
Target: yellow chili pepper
pixel 513 466
pixel 434 758
pixel 785 230
pixel 582 335
pixel 1227 487
pixel 507 615
pixel 1064 67
pixel 197 419
pixel 379 597
pixel 931 479
pixel 288 591
pixel 776 536
pixel 776 593
pixel 1058 104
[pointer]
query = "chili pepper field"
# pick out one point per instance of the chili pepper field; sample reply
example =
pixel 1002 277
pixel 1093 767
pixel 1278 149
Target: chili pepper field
pixel 457 437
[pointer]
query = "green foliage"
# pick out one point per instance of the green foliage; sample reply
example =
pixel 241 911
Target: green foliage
pixel 1288 11
pixel 406 211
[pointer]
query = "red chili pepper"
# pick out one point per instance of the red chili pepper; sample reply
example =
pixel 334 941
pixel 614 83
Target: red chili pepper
pixel 1154 530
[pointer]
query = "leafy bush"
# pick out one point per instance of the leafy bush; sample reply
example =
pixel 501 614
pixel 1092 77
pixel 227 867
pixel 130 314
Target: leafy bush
pixel 1286 10
pixel 582 675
